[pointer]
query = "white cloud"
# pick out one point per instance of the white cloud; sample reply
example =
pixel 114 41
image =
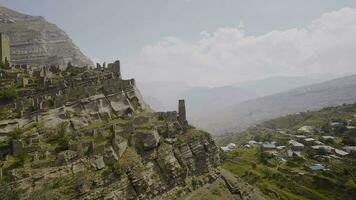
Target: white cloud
pixel 228 55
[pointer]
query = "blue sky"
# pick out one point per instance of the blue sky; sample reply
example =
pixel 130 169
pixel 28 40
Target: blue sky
pixel 136 30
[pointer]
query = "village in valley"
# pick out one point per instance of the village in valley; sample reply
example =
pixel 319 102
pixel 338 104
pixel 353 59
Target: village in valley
pixel 307 146
pixel 305 142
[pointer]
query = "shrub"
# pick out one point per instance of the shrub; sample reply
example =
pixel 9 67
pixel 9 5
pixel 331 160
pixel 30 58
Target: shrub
pixel 5 65
pixel 63 136
pixel 17 133
pixel 8 94
pixel 22 158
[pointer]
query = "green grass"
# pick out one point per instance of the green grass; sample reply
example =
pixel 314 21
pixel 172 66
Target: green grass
pixel 129 160
pixel 287 183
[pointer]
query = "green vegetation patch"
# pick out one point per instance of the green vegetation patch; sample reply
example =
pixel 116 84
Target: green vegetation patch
pixel 290 181
pixel 8 94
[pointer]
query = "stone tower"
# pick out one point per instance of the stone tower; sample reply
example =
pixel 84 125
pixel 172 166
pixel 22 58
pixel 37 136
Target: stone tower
pixel 182 112
pixel 4 48
pixel 115 68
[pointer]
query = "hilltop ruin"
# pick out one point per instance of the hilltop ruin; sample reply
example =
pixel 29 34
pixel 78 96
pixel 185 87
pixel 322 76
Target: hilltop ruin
pixel 92 128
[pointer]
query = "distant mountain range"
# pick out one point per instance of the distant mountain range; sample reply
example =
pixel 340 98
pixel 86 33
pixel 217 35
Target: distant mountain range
pixel 312 97
pixel 163 96
pixel 279 84
pixel 36 42
pixel 204 101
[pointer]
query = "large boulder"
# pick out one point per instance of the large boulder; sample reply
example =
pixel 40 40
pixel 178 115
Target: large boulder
pixel 97 162
pixel 146 140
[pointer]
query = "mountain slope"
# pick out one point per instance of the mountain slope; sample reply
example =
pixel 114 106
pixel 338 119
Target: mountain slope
pixel 330 93
pixel 35 41
pixel 279 84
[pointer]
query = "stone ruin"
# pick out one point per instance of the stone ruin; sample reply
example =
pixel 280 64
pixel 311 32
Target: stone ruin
pixel 182 112
pixel 4 48
pixel 51 87
pixel 173 116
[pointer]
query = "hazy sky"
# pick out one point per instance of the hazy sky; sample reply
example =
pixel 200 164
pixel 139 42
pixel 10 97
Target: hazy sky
pixel 209 42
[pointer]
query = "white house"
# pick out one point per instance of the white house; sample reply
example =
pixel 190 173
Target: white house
pixel 300 137
pixel 296 146
pixel 229 147
pixel 341 152
pixel 317 167
pixel 328 137
pixel 350 149
pixel 327 149
pixel 309 139
pixel 306 129
pixel 266 146
pixel 252 142
pixel 335 123
pixel 280 147
pixel 350 127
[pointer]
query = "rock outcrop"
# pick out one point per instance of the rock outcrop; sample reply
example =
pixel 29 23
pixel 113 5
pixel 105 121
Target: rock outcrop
pixel 36 42
pixel 83 133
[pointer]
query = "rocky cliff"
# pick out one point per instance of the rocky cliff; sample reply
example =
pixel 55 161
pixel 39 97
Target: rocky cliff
pixel 86 134
pixel 35 41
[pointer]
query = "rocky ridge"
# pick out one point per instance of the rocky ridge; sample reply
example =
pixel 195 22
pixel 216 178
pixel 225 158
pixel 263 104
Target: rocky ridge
pixel 36 42
pixel 86 134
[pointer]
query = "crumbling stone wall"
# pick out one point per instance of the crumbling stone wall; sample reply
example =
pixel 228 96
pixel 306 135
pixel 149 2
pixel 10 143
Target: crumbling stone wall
pixel 4 48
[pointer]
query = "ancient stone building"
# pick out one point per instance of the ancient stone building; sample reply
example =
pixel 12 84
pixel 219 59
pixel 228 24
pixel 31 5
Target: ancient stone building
pixel 115 68
pixel 4 47
pixel 182 111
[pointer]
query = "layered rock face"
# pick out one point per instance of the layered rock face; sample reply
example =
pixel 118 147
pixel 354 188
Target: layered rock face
pixel 116 159
pixel 36 42
pixel 85 133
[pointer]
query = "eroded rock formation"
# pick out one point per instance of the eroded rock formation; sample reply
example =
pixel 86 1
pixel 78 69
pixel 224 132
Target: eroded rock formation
pixel 85 133
pixel 36 42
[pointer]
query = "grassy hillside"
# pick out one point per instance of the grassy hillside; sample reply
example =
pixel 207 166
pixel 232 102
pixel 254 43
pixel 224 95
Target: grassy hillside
pixel 292 180
pixel 279 176
pixel 320 119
